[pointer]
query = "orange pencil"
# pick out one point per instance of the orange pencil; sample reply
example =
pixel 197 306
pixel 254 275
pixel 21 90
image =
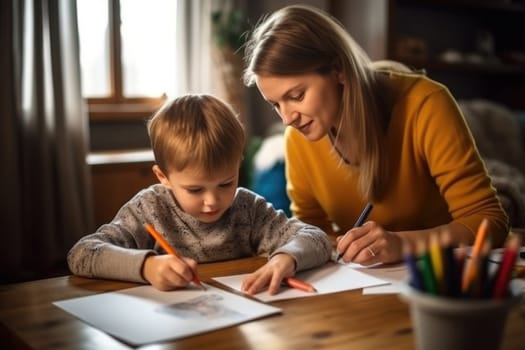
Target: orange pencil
pixel 169 249
pixel 298 284
pixel 472 267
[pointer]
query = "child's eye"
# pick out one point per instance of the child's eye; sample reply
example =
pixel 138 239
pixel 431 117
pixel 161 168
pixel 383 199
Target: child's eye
pixel 194 190
pixel 226 185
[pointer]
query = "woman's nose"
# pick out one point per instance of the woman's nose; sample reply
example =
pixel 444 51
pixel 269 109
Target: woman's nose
pixel 287 115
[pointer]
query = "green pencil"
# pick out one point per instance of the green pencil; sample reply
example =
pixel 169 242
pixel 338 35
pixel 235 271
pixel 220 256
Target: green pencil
pixel 425 266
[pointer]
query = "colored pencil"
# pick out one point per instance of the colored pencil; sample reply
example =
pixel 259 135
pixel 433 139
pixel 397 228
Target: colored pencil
pixel 169 249
pixel 299 284
pixel 436 256
pixel 508 260
pixel 425 266
pixel 360 221
pixel 411 262
pixel 484 275
pixel 450 280
pixel 460 257
pixel 472 268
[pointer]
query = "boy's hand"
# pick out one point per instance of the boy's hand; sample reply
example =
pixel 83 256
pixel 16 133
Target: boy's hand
pixel 271 275
pixel 167 272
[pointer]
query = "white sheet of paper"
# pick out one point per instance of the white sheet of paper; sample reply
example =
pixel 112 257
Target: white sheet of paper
pixel 394 274
pixel 329 278
pixel 144 314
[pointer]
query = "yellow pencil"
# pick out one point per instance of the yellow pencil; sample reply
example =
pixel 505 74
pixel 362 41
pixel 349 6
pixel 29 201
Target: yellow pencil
pixel 436 256
pixel 169 249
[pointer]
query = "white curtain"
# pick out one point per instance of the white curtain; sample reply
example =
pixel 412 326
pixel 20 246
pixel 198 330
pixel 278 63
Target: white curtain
pixel 198 70
pixel 45 187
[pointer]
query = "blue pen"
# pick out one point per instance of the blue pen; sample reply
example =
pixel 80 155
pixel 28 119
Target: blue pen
pixel 360 221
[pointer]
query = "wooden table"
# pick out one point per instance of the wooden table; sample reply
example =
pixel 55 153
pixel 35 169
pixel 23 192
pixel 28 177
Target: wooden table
pixel 348 320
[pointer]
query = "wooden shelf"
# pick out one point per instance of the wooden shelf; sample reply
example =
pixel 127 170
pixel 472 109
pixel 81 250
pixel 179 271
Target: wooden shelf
pixel 420 31
pixel 120 157
pixel 468 5
pixel 465 67
pixel 116 177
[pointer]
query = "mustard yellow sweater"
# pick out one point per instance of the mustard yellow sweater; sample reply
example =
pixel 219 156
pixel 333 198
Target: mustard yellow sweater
pixel 436 175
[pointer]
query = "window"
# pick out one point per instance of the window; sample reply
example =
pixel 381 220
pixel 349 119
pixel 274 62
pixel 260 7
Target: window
pixel 128 56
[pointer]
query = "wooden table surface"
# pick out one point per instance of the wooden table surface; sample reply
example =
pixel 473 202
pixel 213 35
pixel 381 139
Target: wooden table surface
pixel 348 320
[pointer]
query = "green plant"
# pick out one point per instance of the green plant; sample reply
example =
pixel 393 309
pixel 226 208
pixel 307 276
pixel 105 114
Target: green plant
pixel 228 28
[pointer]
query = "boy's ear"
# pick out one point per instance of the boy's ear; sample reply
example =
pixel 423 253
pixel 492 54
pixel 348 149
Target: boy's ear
pixel 163 179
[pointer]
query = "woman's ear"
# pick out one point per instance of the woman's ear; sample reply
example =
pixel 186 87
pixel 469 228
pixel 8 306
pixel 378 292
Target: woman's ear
pixel 163 179
pixel 340 77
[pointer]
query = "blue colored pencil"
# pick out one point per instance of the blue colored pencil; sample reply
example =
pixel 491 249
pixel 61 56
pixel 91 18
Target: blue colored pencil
pixel 414 273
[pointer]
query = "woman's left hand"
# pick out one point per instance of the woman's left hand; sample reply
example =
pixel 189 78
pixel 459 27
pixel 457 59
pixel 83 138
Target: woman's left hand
pixel 271 275
pixel 369 244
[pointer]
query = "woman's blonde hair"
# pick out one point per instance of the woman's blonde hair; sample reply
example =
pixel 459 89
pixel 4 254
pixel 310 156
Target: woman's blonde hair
pixel 300 39
pixel 196 130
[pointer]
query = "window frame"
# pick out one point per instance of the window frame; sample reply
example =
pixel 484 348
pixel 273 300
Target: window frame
pixel 117 107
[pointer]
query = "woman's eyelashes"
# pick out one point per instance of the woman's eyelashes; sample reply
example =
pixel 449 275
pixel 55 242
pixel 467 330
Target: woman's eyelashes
pixel 298 97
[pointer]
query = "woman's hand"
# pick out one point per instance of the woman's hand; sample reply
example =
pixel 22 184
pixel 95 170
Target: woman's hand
pixel 370 244
pixel 167 272
pixel 271 275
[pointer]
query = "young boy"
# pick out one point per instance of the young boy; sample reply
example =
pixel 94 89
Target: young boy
pixel 198 144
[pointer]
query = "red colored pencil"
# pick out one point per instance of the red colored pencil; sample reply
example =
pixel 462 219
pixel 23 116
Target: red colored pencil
pixel 298 284
pixel 508 261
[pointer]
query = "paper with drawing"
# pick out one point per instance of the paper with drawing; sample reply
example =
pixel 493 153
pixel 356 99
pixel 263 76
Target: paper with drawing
pixel 144 314
pixel 329 278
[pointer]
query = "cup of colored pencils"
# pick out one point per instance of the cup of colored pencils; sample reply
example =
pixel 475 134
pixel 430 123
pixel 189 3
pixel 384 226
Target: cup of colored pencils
pixel 459 298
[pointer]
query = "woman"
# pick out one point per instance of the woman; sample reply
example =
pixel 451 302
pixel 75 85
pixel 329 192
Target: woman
pixel 368 133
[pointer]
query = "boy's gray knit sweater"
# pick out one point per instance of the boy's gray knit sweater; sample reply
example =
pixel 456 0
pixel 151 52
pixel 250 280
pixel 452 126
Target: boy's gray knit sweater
pixel 249 227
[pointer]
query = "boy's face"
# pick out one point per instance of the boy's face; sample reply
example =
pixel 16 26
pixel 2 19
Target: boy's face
pixel 204 196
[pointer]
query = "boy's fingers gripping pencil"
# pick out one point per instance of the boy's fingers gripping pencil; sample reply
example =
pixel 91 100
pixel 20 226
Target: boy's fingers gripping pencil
pixel 169 249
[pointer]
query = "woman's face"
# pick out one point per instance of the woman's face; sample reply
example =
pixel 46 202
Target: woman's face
pixel 308 102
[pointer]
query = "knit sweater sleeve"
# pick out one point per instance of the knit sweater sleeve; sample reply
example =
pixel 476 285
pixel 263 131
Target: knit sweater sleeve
pixel 117 250
pixel 272 232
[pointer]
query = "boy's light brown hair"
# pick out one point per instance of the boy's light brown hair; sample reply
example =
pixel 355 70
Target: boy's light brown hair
pixel 196 130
